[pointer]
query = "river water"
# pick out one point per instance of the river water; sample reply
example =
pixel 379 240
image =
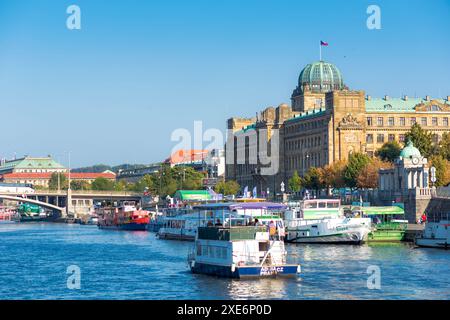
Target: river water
pixel 34 259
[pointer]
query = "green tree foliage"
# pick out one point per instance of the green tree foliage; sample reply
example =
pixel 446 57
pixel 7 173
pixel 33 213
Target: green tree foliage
pixel 53 183
pixel 80 185
pixel 442 166
pixel 102 184
pixel 313 179
pixel 422 140
pixel 226 188
pixel 356 163
pixel 295 182
pixel 389 151
pixel 444 146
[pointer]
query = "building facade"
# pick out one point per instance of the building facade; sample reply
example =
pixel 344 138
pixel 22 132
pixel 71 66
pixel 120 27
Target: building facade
pixel 326 122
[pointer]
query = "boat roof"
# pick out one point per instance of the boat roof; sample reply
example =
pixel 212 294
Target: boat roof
pixel 382 210
pixel 241 206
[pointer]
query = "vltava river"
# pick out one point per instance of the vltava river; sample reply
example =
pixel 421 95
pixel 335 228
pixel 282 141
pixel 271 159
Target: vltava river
pixel 135 265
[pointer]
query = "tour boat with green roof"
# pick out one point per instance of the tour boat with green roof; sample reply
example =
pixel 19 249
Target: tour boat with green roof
pixel 387 224
pixel 323 221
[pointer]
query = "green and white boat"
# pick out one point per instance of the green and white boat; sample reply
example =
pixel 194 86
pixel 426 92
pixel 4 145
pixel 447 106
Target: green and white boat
pixel 387 223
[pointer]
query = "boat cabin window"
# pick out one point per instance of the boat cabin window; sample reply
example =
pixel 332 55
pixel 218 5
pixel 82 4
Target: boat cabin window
pixel 311 205
pixel 322 204
pixel 334 204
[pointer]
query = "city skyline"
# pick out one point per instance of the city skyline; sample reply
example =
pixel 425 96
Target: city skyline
pixel 114 91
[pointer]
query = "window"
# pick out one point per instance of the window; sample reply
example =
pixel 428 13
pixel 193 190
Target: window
pixel 391 137
pixel 434 121
pixel 369 138
pixel 401 137
pixel 445 122
pixel 413 121
pixel 423 122
pixel 380 121
pixel 380 138
pixel 369 121
pixel 391 121
pixel 435 138
pixel 402 121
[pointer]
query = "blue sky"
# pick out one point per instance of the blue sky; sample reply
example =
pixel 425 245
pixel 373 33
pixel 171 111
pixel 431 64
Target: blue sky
pixel 115 90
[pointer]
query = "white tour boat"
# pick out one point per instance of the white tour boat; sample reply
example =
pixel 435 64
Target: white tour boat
pixel 240 250
pixel 184 225
pixel 322 221
pixel 435 235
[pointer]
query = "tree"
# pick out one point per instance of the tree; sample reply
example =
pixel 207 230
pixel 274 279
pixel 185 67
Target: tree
pixel 333 174
pixel 102 184
pixel 444 146
pixel 226 188
pixel 421 139
pixel 313 179
pixel 442 166
pixel 79 185
pixel 295 182
pixel 54 183
pixel 368 177
pixel 356 162
pixel 389 151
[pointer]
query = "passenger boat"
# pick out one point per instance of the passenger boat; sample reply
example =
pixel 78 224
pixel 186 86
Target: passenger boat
pixel 7 216
pixel 124 217
pixel 184 225
pixel 435 235
pixel 322 221
pixel 387 225
pixel 239 250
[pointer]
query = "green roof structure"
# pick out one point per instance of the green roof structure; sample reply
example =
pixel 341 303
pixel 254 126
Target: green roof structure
pixel 29 163
pixel 192 195
pixel 397 104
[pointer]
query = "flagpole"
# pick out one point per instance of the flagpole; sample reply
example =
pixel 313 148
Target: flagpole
pixel 320 50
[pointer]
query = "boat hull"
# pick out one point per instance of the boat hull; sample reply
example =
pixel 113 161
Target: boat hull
pixel 174 236
pixel 386 236
pixel 245 272
pixel 433 243
pixel 343 238
pixel 126 227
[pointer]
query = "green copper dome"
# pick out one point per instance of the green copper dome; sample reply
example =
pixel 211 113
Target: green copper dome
pixel 320 77
pixel 410 151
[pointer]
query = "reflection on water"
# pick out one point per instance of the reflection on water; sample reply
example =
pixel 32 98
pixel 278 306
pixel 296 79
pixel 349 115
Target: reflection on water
pixel 136 265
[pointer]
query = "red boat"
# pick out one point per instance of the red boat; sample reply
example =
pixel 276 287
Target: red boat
pixel 125 217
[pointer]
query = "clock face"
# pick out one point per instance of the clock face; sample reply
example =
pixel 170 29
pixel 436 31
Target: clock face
pixel 415 160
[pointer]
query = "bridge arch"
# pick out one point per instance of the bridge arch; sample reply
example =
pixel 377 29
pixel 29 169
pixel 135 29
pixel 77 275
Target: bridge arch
pixel 39 203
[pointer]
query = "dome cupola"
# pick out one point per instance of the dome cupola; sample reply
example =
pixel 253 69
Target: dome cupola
pixel 410 151
pixel 320 77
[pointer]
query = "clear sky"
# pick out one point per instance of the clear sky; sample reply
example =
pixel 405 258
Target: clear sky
pixel 115 90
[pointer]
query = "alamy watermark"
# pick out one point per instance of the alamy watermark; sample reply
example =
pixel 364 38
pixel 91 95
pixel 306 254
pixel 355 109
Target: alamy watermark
pixel 374 279
pixel 374 20
pixel 73 21
pixel 74 278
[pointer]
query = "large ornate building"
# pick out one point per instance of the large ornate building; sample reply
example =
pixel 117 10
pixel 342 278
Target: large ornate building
pixel 327 122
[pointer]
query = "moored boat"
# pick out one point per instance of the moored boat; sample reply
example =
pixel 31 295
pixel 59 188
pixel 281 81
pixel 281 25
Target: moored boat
pixel 322 221
pixel 435 235
pixel 184 225
pixel 386 223
pixel 124 217
pixel 239 250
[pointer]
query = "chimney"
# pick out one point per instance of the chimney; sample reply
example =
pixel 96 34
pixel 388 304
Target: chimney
pixel 386 98
pixel 405 98
pixel 427 98
pixel 368 97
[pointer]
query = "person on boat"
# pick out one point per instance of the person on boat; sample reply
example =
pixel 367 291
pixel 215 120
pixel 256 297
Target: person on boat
pixel 210 223
pixel 257 222
pixel 218 223
pixel 272 229
pixel 423 218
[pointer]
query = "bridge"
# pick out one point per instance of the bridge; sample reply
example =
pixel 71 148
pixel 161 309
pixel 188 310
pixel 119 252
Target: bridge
pixel 78 202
